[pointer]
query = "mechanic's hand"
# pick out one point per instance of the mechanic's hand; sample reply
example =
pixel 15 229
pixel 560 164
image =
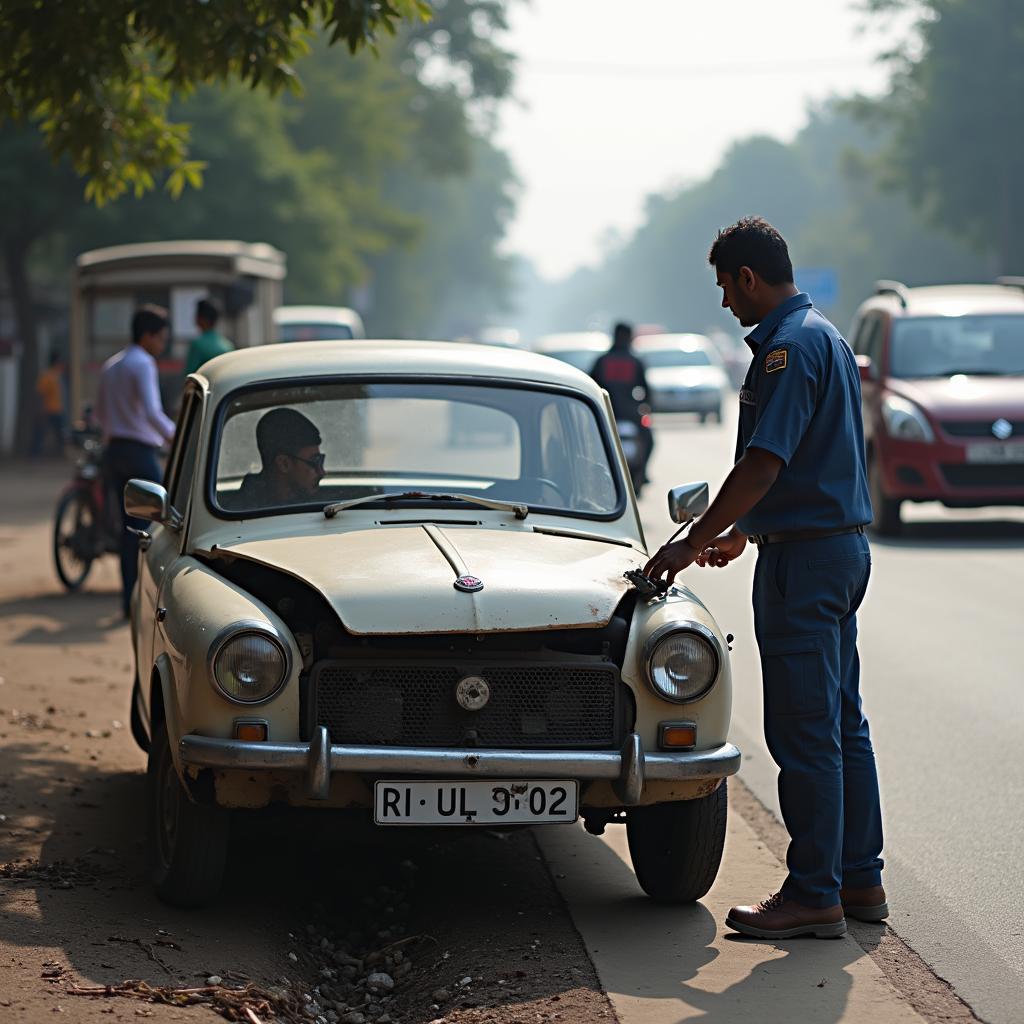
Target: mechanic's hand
pixel 723 550
pixel 669 560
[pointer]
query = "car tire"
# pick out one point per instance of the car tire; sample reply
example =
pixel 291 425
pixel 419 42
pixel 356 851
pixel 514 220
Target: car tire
pixel 676 848
pixel 139 733
pixel 887 522
pixel 188 841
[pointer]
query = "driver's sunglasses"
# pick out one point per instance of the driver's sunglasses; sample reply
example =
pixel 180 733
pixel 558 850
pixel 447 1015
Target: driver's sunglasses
pixel 317 462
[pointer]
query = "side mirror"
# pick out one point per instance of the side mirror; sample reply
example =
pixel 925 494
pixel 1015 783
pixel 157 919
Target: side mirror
pixel 866 367
pixel 688 501
pixel 146 500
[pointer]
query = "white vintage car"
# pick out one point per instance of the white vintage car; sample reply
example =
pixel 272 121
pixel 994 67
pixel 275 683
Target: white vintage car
pixel 344 603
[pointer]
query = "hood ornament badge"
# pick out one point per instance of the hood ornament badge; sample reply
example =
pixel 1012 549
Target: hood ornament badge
pixel 469 584
pixel 472 693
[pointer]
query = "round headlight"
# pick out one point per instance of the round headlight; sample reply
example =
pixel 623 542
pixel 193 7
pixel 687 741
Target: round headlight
pixel 249 667
pixel 683 666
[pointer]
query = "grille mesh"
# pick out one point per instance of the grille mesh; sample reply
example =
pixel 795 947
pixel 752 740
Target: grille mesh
pixel 978 428
pixel 534 705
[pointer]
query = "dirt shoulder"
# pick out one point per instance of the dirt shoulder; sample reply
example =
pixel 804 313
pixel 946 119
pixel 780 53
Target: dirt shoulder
pixel 313 907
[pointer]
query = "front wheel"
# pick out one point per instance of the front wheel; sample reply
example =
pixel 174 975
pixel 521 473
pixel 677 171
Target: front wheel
pixel 188 841
pixel 74 538
pixel 676 848
pixel 887 522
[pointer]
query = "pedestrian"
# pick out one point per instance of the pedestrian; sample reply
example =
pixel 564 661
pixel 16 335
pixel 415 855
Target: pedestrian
pixel 51 417
pixel 209 342
pixel 134 425
pixel 798 491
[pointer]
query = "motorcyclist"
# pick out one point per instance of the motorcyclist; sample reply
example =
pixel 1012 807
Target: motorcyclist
pixel 621 374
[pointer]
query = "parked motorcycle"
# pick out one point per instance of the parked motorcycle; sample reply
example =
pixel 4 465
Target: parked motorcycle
pixel 637 440
pixel 86 524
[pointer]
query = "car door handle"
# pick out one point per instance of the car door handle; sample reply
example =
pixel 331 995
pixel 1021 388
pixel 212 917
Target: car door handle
pixel 144 538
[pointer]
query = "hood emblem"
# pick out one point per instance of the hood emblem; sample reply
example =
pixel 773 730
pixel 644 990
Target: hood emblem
pixel 472 693
pixel 1002 429
pixel 469 584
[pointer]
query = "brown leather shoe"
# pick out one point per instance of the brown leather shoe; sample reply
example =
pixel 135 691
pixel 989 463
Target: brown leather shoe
pixel 865 904
pixel 779 918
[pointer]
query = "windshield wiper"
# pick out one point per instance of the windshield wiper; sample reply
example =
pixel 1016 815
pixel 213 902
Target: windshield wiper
pixel 520 511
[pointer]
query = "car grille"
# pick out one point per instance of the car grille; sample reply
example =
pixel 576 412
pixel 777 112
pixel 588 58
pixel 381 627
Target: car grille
pixel 978 428
pixel 537 705
pixel 966 475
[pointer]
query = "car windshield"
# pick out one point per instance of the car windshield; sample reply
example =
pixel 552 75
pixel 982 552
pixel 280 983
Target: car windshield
pixel 285 448
pixel 660 357
pixel 313 332
pixel 942 346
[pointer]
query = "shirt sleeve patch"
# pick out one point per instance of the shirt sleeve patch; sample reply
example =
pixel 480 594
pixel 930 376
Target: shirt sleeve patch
pixel 775 360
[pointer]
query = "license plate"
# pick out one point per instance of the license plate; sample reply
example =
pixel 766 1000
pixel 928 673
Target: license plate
pixel 995 453
pixel 476 802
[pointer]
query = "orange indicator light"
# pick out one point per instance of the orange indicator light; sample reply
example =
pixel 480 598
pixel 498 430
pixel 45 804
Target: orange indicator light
pixel 678 735
pixel 251 732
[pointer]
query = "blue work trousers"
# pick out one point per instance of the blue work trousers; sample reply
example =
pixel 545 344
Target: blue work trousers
pixel 129 460
pixel 806 596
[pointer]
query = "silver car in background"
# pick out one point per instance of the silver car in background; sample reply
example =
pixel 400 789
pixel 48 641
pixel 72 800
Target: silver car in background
pixel 684 374
pixel 577 348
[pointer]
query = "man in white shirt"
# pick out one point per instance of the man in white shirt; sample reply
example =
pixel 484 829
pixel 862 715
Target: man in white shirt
pixel 134 424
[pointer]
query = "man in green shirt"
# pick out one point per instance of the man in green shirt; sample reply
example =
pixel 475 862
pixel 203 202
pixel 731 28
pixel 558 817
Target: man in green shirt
pixel 209 342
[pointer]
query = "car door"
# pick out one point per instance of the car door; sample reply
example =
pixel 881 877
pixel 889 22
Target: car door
pixel 165 544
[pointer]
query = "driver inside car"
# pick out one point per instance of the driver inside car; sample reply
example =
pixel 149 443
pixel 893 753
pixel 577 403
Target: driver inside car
pixel 292 463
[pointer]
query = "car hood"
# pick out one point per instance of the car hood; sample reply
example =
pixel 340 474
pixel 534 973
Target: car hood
pixel 965 397
pixel 684 377
pixel 400 579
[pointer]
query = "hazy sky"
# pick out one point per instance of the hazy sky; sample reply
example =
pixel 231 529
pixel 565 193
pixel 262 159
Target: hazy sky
pixel 621 98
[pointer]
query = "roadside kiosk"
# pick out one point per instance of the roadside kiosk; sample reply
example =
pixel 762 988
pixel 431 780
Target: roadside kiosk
pixel 244 279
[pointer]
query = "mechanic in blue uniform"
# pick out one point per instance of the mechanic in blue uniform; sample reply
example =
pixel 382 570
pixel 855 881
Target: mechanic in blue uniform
pixel 798 491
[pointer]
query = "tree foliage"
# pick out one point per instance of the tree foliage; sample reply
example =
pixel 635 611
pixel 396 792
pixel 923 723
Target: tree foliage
pixel 98 76
pixel 818 190
pixel 379 172
pixel 953 117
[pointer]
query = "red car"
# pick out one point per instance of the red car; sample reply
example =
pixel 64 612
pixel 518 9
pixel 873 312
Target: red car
pixel 942 377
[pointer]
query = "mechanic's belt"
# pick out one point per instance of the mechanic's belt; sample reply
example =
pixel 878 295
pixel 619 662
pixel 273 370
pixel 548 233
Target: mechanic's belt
pixel 790 535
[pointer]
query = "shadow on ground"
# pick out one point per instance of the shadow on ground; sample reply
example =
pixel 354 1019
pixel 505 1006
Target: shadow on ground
pixel 962 534
pixel 82 617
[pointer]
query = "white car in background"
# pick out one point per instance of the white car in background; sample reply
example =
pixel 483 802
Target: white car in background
pixel 577 348
pixel 684 374
pixel 317 323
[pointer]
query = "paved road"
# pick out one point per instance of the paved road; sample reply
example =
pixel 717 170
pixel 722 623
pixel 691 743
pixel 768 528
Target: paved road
pixel 667 965
pixel 942 682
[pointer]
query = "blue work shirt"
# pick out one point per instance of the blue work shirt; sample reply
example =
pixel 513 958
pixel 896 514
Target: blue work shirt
pixel 801 401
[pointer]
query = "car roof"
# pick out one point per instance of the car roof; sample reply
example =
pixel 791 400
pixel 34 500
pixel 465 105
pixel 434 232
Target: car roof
pixel 266 363
pixel 947 300
pixel 315 315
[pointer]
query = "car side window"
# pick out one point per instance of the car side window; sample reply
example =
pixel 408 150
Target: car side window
pixel 873 343
pixel 868 340
pixel 182 463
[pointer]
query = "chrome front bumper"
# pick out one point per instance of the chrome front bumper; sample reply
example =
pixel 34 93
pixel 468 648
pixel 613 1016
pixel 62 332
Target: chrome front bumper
pixel 628 768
